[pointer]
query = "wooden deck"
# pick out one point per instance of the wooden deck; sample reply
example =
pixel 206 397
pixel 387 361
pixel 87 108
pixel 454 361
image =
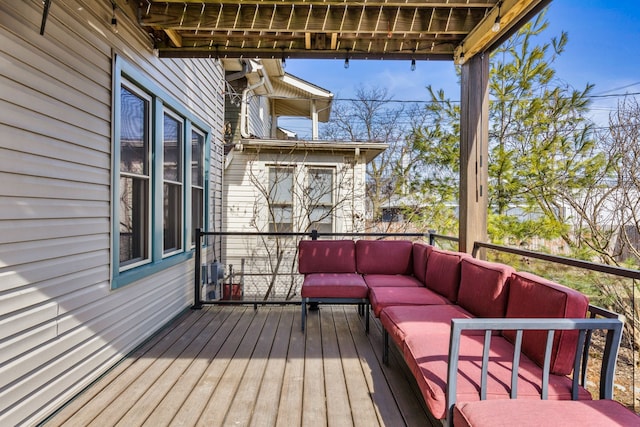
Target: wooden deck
pixel 236 366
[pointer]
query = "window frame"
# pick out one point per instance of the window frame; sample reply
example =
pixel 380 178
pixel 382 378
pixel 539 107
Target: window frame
pixel 135 90
pixel 124 73
pixel 180 183
pixel 271 220
pixel 331 205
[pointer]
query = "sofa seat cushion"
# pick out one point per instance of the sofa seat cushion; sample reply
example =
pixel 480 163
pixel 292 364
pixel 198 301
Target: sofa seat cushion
pixel 420 320
pixel 483 287
pixel 326 256
pixel 531 296
pixel 551 413
pixel 334 285
pixel 427 358
pixel 443 272
pixel 384 257
pixel 381 297
pixel 391 280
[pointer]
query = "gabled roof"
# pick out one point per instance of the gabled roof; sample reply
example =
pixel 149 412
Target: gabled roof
pixel 290 95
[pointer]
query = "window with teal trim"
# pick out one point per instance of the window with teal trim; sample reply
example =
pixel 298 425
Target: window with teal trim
pixel 159 185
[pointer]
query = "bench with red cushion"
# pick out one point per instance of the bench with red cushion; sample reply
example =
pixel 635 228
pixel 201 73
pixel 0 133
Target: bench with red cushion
pixel 329 268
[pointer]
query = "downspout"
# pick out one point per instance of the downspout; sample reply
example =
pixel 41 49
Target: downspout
pixel 244 125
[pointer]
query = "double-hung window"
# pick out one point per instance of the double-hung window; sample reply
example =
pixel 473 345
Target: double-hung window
pixel 173 177
pixel 197 182
pixel 320 193
pixel 135 177
pixel 281 199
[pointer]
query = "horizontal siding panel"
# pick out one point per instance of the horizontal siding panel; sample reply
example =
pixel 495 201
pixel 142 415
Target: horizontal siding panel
pixel 29 186
pixel 13 115
pixel 20 140
pixel 112 316
pixel 24 320
pixel 55 228
pixel 15 162
pixel 44 380
pixel 31 70
pixel 37 103
pixel 25 253
pixel 20 344
pixel 37 286
pixel 26 208
pixel 33 230
pixel 59 43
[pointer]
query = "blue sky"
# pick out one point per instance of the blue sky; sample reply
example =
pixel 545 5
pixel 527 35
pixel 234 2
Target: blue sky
pixel 603 49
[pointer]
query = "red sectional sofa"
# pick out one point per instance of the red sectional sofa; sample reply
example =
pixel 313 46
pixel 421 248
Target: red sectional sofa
pixel 469 330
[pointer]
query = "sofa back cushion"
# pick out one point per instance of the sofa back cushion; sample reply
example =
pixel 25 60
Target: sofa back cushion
pixel 483 287
pixel 531 296
pixel 443 272
pixel 384 256
pixel 326 256
pixel 420 257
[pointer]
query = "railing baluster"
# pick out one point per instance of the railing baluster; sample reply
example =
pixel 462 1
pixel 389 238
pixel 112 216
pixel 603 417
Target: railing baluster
pixel 516 364
pixel 577 364
pixel 485 364
pixel 547 365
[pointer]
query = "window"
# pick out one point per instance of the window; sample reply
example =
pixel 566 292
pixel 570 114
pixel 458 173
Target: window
pixel 135 177
pixel 280 199
pixel 321 200
pixel 159 179
pixel 172 147
pixel 197 183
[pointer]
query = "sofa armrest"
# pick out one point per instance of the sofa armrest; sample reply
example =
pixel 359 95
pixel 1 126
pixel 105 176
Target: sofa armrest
pixel 612 324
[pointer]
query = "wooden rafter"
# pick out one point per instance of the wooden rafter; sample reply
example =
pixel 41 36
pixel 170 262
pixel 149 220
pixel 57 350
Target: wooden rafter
pixel 421 29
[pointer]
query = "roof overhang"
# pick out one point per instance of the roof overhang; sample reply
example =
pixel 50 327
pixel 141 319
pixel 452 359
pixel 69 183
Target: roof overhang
pixel 366 150
pixel 358 29
pixel 290 95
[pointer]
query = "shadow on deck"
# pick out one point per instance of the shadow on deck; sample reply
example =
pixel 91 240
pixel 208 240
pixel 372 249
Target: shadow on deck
pixel 224 366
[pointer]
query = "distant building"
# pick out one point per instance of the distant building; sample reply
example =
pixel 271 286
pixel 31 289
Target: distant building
pixel 275 182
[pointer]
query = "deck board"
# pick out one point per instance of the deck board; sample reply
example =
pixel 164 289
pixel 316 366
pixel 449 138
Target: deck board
pixel 224 366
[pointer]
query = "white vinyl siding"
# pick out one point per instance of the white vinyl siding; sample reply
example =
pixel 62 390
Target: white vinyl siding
pixel 61 323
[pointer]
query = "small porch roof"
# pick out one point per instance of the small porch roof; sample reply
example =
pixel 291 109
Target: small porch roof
pixel 367 150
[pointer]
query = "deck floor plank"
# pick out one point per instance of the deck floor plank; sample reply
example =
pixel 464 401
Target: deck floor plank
pixel 291 396
pixel 338 405
pixel 151 399
pixel 314 407
pixel 223 395
pixel 161 361
pixel 115 382
pixel 246 395
pixel 74 407
pixel 173 400
pixel 360 396
pixel 265 412
pixel 224 366
pixel 191 409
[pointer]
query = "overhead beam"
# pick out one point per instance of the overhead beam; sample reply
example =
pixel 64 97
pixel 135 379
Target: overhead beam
pixel 175 38
pixel 482 37
pixel 355 3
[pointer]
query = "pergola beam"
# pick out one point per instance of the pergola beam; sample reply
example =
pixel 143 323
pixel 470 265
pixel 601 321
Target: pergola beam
pixel 482 37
